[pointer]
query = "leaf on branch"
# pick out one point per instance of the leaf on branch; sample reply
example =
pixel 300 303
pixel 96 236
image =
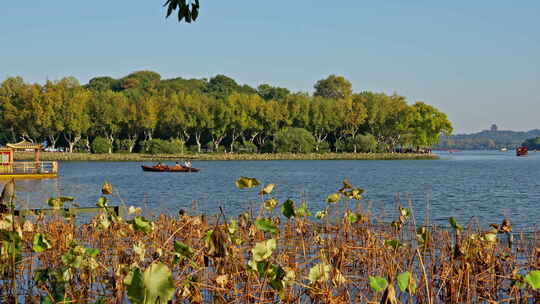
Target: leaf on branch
pixel 188 10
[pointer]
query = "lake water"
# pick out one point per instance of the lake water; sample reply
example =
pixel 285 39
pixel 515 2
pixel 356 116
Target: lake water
pixel 481 185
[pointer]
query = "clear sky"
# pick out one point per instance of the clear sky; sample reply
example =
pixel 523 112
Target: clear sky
pixel 478 61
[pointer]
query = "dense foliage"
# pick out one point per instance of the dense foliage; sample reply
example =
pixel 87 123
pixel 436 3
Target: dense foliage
pixel 486 140
pixel 101 145
pixel 216 114
pixel 296 140
pixel 159 146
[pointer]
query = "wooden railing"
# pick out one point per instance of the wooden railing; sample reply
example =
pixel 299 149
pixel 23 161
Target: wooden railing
pixel 50 167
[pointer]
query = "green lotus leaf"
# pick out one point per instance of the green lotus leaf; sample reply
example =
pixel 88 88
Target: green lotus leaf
pixel 351 217
pixel 378 284
pixel 266 225
pixel 102 202
pixel 140 223
pixel 40 242
pixel 406 282
pixel 455 224
pixel 263 250
pixel 153 285
pixel 490 237
pixel 287 208
pixel 533 279
pixel 302 211
pixel 394 244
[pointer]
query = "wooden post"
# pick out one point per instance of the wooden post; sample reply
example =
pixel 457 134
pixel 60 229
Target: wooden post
pixel 11 152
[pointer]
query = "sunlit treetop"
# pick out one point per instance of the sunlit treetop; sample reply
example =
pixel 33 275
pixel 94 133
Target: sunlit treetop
pixel 188 10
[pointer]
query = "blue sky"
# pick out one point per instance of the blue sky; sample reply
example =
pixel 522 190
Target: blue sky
pixel 478 61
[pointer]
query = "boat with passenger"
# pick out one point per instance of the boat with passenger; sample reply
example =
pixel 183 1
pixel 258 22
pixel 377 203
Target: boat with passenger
pixel 522 151
pixel 164 168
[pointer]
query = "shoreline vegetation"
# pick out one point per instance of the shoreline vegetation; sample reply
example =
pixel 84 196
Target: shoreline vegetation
pixel 65 156
pixel 144 113
pixel 284 252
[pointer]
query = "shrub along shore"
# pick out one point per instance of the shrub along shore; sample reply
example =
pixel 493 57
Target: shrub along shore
pixel 62 156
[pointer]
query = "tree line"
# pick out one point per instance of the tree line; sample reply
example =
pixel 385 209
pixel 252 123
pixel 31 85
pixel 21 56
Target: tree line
pixel 532 143
pixel 141 109
pixel 486 140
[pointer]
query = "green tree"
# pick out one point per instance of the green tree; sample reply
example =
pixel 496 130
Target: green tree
pixel 130 122
pixel 20 108
pixel 270 118
pixel 140 80
pixel 352 114
pixel 219 120
pixel 101 145
pixel 366 143
pixel 296 108
pixel 173 118
pixel 198 116
pixel 333 87
pixel 388 117
pixel 323 119
pixel 52 123
pixel 147 114
pixel 221 86
pixel 242 122
pixel 181 85
pixel 268 92
pixel 255 111
pixel 103 84
pixel 106 111
pixel 428 124
pixel 295 140
pixel 74 113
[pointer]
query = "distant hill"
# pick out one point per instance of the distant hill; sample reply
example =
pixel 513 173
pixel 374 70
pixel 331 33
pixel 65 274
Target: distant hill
pixel 486 140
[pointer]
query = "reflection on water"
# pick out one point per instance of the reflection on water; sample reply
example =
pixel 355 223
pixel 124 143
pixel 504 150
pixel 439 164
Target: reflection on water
pixel 486 186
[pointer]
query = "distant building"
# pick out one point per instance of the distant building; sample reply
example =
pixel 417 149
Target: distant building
pixel 494 128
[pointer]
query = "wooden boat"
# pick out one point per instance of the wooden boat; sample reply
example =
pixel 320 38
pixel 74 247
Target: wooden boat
pixel 522 151
pixel 168 169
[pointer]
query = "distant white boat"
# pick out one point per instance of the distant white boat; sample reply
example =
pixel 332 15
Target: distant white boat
pixel 504 150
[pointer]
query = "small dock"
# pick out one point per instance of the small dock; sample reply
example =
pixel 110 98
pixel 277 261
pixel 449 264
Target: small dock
pixel 9 168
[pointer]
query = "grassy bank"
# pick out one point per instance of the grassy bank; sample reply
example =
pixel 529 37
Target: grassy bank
pixel 281 253
pixel 59 156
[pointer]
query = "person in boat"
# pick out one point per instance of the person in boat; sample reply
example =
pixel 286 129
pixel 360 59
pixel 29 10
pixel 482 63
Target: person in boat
pixel 187 164
pixel 159 165
pixel 177 165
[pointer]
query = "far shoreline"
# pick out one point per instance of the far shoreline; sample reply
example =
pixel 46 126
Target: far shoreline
pixel 65 156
